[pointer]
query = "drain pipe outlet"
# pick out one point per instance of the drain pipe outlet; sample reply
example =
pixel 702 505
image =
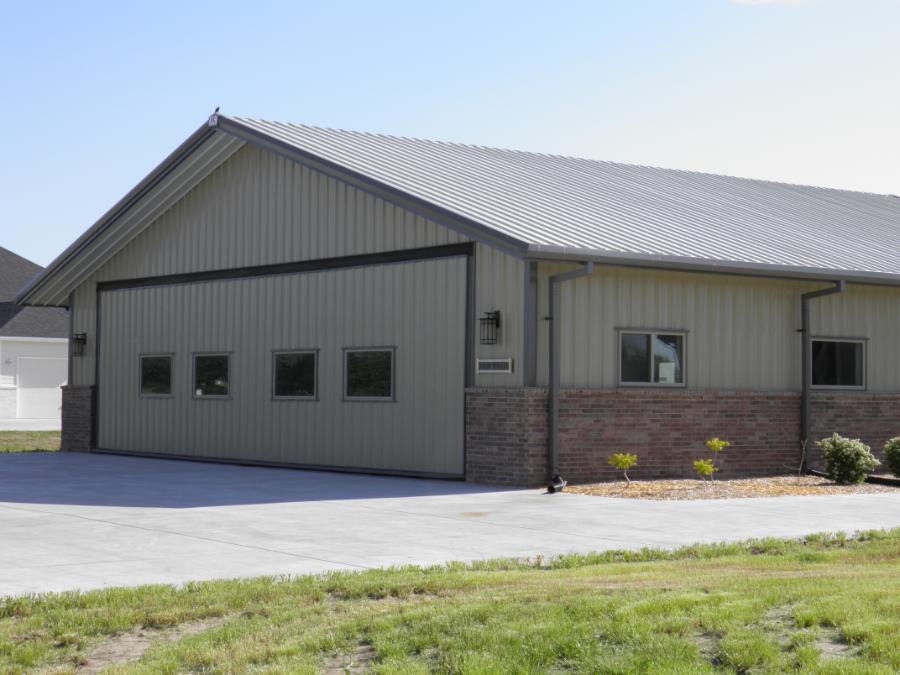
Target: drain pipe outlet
pixel 557 483
pixel 806 364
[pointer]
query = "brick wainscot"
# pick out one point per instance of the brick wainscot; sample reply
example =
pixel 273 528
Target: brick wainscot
pixel 506 431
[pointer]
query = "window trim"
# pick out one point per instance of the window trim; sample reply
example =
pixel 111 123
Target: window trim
pixel 372 399
pixel 171 357
pixel 683 333
pixel 211 397
pixel 840 387
pixel 315 352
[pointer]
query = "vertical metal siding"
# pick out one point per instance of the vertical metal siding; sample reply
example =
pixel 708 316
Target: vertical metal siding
pixel 865 312
pixel 500 284
pixel 418 307
pixel 742 331
pixel 256 209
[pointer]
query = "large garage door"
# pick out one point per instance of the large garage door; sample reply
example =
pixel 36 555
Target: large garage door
pixel 415 311
pixel 38 382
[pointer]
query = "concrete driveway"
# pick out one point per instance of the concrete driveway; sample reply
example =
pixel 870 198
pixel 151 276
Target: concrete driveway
pixel 81 521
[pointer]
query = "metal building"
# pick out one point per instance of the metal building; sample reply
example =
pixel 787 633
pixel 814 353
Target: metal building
pixel 291 295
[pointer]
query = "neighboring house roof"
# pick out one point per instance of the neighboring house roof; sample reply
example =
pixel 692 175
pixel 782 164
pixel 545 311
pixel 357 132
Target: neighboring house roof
pixel 17 321
pixel 552 207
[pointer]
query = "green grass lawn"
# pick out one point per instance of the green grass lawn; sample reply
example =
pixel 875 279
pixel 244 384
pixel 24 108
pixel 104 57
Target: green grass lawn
pixel 826 604
pixel 29 441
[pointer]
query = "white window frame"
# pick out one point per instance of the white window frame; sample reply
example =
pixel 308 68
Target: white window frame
pixel 375 399
pixel 280 352
pixel 840 387
pixel 156 355
pixel 621 332
pixel 210 397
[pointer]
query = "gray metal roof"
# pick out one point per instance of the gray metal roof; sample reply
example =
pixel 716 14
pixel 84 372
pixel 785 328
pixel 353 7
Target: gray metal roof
pixel 536 205
pixel 569 207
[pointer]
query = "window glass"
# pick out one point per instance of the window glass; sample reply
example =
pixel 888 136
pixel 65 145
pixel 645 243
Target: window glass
pixel 211 375
pixel 837 363
pixel 651 358
pixel 667 351
pixel 635 357
pixel 156 375
pixel 295 374
pixel 369 373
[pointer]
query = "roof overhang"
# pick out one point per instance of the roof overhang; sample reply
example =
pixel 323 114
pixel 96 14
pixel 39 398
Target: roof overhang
pixel 685 264
pixel 182 170
pixel 220 137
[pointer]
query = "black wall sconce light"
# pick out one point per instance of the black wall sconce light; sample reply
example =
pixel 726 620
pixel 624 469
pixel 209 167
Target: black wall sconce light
pixel 490 327
pixel 76 344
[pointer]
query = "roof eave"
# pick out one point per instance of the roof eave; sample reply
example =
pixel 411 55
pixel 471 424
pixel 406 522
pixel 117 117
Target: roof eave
pixel 684 264
pixel 27 294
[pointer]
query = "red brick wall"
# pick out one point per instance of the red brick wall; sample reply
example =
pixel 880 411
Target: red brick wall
pixel 506 431
pixel 668 431
pixel 77 404
pixel 506 436
pixel 873 418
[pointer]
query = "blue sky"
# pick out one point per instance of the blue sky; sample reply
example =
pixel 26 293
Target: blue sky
pixel 95 94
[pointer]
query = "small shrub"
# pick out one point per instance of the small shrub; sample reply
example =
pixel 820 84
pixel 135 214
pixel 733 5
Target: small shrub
pixel 623 461
pixel 717 445
pixel 847 460
pixel 892 455
pixel 705 467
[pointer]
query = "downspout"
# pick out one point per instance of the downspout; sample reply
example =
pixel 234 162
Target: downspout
pixel 806 362
pixel 556 481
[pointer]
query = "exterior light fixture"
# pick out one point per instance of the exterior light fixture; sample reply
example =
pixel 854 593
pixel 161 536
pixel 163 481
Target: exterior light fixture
pixel 76 344
pixel 490 327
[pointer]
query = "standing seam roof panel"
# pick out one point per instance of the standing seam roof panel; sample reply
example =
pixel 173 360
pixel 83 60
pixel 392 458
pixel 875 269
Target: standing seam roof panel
pixel 556 201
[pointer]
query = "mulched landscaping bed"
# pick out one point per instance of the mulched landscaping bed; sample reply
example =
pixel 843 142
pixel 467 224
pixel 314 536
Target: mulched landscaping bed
pixel 773 486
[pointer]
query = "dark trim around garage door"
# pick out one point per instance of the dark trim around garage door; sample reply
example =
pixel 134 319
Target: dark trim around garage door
pixel 299 267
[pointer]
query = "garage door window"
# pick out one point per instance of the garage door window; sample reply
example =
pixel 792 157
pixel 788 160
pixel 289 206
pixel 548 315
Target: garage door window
pixel 369 374
pixel 294 375
pixel 211 375
pixel 156 375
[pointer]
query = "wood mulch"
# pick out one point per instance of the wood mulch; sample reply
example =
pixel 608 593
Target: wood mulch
pixel 773 486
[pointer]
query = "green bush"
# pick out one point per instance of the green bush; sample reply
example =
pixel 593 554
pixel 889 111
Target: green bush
pixel 623 461
pixel 717 445
pixel 892 455
pixel 847 460
pixel 705 467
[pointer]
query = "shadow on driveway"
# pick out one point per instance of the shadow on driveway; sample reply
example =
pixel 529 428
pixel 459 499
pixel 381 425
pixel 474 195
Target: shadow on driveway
pixel 111 480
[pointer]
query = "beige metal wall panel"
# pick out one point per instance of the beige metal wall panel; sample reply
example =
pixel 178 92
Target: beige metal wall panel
pixel 257 209
pixel 260 209
pixel 417 307
pixel 741 331
pixel 500 285
pixel 84 320
pixel 866 312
